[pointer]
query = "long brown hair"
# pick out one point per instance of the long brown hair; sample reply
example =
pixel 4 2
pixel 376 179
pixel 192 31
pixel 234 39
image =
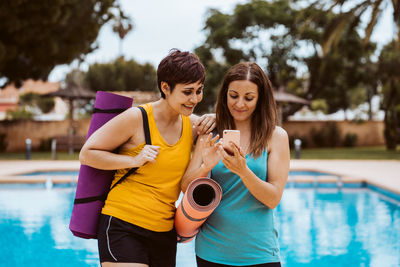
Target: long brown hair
pixel 263 119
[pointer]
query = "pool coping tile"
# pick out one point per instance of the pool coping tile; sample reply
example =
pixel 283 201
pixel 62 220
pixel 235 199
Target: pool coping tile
pixel 384 174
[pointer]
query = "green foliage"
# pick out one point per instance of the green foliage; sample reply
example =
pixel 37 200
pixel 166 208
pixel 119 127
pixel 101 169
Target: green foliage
pixel 20 114
pixel 3 142
pixel 215 71
pixel 36 35
pixel 39 155
pixel 338 78
pixel 76 78
pixel 121 75
pixel 34 100
pixel 350 16
pixel 46 104
pixel 122 26
pixel 327 136
pixel 319 104
pixel 236 37
pixel 389 70
pixel 350 140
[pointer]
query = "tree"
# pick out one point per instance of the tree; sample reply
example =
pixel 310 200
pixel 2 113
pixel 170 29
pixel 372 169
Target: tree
pixel 31 104
pixel 350 14
pixel 272 33
pixel 122 26
pixel 36 35
pixel 238 37
pixel 389 62
pixel 341 77
pixel 121 75
pixel 34 100
pixel 215 71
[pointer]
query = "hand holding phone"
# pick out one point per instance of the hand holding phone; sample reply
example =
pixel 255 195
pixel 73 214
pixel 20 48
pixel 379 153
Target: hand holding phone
pixel 230 136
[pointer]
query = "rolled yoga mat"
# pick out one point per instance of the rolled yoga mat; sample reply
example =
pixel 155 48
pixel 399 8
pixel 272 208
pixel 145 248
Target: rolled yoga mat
pixel 200 200
pixel 93 184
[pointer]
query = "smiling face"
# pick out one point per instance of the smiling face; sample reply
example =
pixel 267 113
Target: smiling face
pixel 246 95
pixel 242 99
pixel 184 97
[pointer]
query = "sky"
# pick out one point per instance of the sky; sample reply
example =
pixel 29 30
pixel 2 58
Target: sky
pixel 160 25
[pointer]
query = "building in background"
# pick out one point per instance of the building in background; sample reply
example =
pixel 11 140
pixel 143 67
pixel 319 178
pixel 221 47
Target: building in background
pixel 10 95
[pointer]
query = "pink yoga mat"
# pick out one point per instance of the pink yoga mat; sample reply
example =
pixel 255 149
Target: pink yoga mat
pixel 93 184
pixel 200 200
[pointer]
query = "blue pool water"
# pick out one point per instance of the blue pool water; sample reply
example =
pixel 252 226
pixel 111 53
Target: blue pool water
pixel 318 227
pixel 75 173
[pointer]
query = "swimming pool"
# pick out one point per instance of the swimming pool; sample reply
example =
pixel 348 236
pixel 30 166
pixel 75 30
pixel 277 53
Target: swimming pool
pixel 331 227
pixel 317 226
pixel 75 173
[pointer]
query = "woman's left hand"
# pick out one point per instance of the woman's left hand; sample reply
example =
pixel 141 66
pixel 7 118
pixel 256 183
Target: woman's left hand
pixel 236 163
pixel 205 124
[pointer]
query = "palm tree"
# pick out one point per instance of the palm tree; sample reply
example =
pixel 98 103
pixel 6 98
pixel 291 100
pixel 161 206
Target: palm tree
pixel 122 26
pixel 349 17
pixel 389 71
pixel 349 14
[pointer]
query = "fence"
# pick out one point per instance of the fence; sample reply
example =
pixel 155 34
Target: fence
pixel 312 133
pixel 40 132
pixel 336 133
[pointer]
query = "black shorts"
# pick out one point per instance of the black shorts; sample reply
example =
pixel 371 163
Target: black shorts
pixel 120 241
pixel 204 263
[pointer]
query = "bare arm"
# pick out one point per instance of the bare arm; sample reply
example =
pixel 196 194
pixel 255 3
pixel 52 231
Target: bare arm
pixel 206 148
pixel 269 193
pixel 123 130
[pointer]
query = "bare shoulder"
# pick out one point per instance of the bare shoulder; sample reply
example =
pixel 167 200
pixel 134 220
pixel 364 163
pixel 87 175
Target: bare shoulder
pixel 279 133
pixel 279 138
pixel 128 121
pixel 132 117
pixel 133 113
pixel 123 129
pixel 130 127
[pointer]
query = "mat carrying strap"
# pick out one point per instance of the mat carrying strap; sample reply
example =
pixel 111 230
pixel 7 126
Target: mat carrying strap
pixel 148 142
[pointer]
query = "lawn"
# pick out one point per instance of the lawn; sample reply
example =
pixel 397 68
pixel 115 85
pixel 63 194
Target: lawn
pixel 36 155
pixel 378 153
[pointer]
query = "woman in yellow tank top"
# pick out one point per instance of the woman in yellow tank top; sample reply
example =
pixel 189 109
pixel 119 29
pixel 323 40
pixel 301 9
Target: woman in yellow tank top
pixel 136 224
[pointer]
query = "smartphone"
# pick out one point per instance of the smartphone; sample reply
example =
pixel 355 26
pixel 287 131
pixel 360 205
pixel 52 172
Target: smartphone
pixel 230 136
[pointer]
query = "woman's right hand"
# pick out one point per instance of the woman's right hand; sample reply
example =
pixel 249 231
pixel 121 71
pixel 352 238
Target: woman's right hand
pixel 210 151
pixel 204 158
pixel 148 153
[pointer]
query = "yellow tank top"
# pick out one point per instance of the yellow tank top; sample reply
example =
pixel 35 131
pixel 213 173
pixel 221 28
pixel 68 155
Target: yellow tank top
pixel 147 197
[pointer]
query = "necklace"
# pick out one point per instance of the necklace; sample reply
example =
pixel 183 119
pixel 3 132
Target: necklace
pixel 245 148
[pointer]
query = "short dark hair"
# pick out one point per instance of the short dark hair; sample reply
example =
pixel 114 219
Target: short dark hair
pixel 264 117
pixel 180 67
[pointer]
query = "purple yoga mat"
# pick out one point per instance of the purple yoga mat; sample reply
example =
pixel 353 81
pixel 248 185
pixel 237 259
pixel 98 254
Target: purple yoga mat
pixel 94 182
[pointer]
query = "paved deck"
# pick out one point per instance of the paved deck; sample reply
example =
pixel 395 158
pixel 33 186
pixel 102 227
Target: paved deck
pixel 382 173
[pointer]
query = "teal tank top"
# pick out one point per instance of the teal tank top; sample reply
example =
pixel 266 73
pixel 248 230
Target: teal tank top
pixel 241 229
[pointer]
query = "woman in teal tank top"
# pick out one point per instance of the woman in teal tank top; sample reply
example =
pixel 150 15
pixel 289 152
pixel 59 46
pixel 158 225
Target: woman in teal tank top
pixel 252 174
